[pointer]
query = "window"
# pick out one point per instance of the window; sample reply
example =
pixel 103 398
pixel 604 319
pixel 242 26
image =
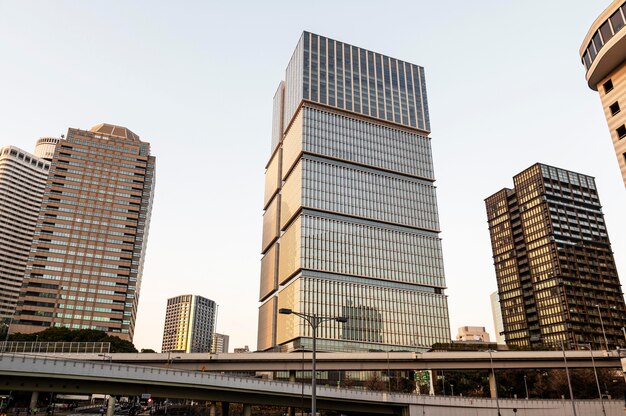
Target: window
pixel 614 108
pixel 616 21
pixel 621 131
pixel 608 86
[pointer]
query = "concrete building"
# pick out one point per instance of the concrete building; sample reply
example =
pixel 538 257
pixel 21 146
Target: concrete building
pixel 189 324
pixel 472 334
pixel 496 312
pixel 602 53
pixel 557 279
pixel 219 343
pixel 351 223
pixel 22 182
pixel 86 260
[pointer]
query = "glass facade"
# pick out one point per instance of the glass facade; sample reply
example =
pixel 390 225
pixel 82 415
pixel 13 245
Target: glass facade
pixel 189 324
pixel 353 230
pixel 349 78
pixel 556 274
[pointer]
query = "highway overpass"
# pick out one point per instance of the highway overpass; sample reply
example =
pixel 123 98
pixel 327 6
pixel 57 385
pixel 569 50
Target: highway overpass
pixel 63 375
pixel 294 361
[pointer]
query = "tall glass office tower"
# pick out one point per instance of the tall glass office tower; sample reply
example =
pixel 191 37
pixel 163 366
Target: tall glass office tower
pixel 350 225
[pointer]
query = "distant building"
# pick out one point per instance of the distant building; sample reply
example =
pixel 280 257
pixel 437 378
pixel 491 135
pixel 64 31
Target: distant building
pixel 189 324
pixel 242 350
pixel 497 317
pixel 472 334
pixel 22 182
pixel 602 53
pixel 557 278
pixel 219 343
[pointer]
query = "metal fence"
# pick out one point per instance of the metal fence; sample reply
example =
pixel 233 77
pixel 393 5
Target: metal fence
pixel 55 347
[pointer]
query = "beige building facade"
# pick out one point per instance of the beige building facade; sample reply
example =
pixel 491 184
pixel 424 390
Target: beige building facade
pixel 86 259
pixel 189 324
pixel 603 55
pixel 22 183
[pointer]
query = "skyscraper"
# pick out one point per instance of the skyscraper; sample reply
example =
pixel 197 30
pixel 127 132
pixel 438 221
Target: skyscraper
pixel 22 182
pixel 219 343
pixel 351 224
pixel 86 260
pixel 496 313
pixel 557 279
pixel 602 54
pixel 189 324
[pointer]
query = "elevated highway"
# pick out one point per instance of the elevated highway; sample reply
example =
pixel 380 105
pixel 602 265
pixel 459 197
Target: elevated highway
pixel 273 361
pixel 63 375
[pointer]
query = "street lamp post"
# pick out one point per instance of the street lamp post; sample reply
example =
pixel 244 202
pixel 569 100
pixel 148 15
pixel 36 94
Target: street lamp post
pixel 606 343
pixel 526 386
pixel 495 382
pixel 569 382
pixel 314 321
pixel 595 373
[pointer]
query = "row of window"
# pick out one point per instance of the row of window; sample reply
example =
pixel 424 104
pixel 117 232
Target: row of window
pixel 606 31
pixel 366 143
pixel 345 190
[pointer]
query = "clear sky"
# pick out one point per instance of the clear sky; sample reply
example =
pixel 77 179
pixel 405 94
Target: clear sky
pixel 196 80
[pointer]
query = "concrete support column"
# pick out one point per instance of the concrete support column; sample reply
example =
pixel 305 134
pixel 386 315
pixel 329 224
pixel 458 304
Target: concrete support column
pixel 292 376
pixel 33 401
pixel 291 411
pixel 225 408
pixel 492 386
pixel 213 409
pixel 111 406
pixel 247 410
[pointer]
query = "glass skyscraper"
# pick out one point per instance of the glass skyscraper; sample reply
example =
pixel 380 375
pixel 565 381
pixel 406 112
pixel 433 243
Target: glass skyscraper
pixel 350 226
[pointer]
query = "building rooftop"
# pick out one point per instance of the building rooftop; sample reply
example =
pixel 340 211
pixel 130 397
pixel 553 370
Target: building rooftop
pixel 113 130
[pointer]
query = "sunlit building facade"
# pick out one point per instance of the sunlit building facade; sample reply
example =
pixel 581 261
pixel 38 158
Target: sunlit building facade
pixel 189 324
pixel 351 225
pixel 602 54
pixel 557 279
pixel 22 182
pixel 86 259
pixel 219 343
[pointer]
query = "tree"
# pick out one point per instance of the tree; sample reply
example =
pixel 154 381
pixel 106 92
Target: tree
pixel 144 350
pixel 58 334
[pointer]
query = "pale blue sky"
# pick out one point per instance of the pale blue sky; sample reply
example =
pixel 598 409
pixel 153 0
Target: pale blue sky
pixel 196 80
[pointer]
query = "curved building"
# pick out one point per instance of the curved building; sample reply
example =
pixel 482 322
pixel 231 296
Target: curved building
pixel 351 226
pixel 603 54
pixel 22 183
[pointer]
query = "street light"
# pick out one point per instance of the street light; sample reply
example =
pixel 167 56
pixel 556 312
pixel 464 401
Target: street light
pixel 569 382
pixel 314 321
pixel 495 382
pixel 526 386
pixel 606 343
pixel 595 373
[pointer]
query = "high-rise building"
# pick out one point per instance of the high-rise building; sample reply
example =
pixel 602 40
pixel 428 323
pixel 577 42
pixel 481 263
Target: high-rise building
pixel 602 54
pixel 219 343
pixel 496 313
pixel 189 324
pixel 22 182
pixel 351 225
pixel 557 279
pixel 86 260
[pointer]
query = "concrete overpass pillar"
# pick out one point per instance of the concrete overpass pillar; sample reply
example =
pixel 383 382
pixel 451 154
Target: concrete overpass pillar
pixel 247 410
pixel 33 401
pixel 111 406
pixel 213 409
pixel 225 408
pixel 492 386
pixel 292 376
